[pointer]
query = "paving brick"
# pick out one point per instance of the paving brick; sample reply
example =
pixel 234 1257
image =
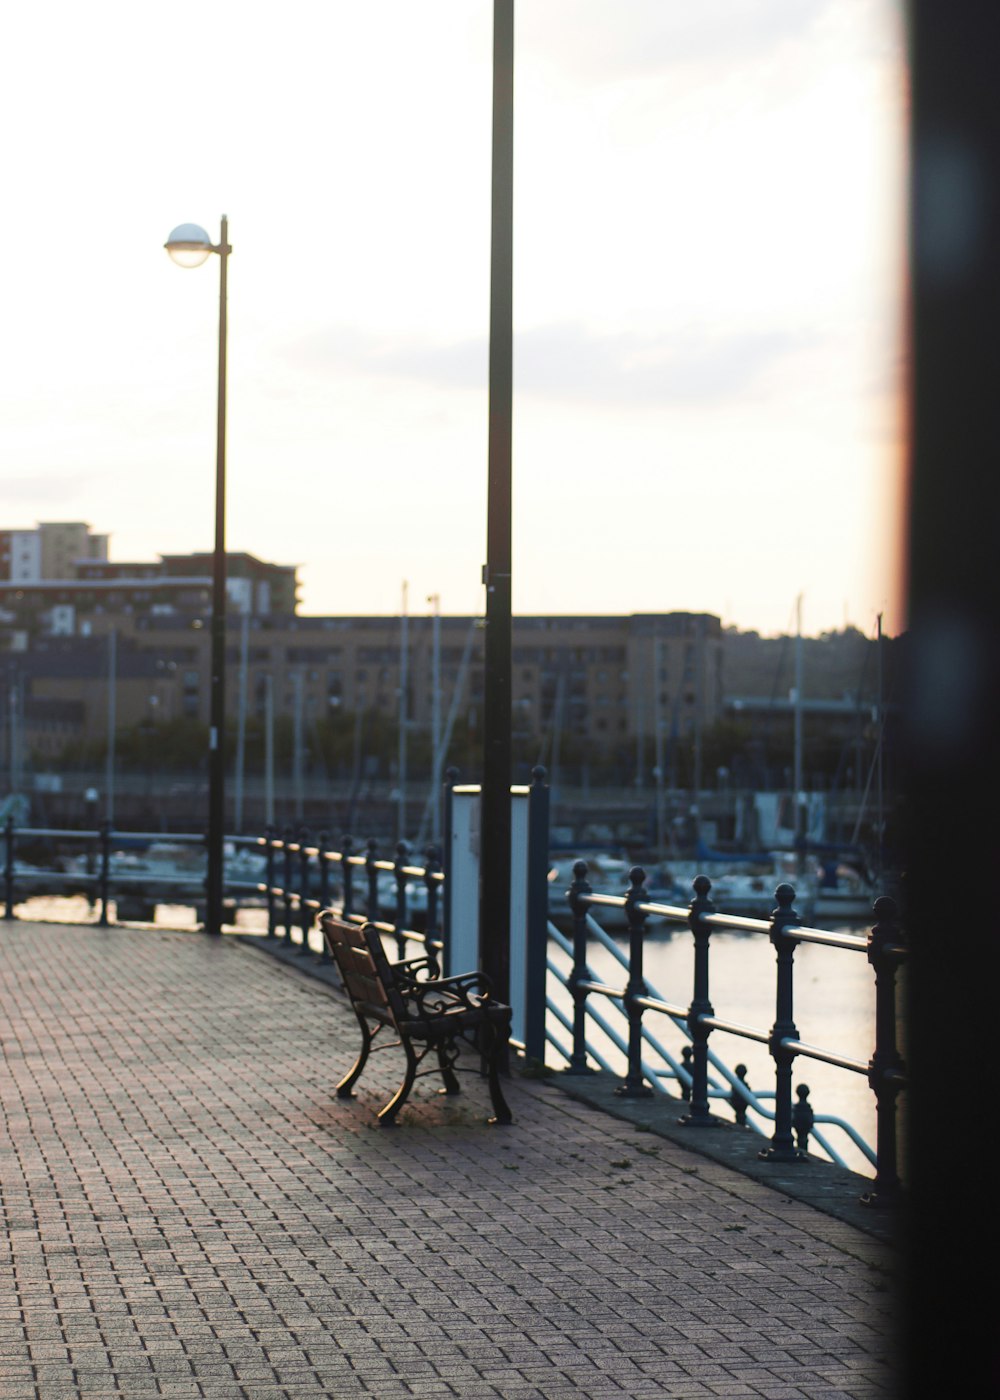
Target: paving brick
pixel 191 1214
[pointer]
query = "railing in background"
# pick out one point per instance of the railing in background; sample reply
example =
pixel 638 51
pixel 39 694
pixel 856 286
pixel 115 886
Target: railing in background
pixel 298 878
pixel 883 947
pixel 99 873
pixel 298 884
pixel 29 878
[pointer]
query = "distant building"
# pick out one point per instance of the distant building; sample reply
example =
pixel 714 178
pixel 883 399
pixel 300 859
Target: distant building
pixel 57 581
pixel 252 586
pixel 615 689
pixel 51 550
pixel 612 682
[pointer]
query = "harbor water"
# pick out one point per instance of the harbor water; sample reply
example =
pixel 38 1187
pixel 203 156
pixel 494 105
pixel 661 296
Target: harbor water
pixel 834 1010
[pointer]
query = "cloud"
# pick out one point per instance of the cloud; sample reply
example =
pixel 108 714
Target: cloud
pixel 52 487
pixel 589 40
pixel 568 362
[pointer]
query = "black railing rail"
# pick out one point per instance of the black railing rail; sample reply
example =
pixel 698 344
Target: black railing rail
pixel 314 876
pixel 883 946
pixel 99 877
pixel 300 877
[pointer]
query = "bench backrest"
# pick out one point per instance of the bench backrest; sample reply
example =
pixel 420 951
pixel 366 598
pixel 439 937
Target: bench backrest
pixel 358 952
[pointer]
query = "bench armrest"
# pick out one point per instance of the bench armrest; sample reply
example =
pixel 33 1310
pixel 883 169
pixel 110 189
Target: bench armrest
pixel 467 979
pixel 408 971
pixel 445 993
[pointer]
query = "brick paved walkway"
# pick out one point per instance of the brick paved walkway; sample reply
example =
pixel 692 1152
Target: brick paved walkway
pixel 190 1213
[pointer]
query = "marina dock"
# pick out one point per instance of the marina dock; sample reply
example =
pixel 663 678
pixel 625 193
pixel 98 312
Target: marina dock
pixel 191 1212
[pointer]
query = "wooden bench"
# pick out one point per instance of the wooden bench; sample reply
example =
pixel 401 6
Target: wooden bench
pixel 427 1012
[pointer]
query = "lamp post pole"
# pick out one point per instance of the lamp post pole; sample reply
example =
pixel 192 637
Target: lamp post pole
pixel 217 713
pixel 189 246
pixel 494 922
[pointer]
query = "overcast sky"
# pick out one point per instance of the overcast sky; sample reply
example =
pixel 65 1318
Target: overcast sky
pixel 708 287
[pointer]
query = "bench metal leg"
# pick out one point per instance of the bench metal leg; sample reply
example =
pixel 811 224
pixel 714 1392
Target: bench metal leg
pixel 387 1114
pixel 492 1043
pixel 345 1089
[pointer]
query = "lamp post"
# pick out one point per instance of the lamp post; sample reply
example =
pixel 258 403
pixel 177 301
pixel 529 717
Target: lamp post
pixel 189 246
pixel 494 920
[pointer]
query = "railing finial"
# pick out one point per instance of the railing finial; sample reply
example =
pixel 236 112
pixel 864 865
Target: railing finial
pixel 736 1100
pixel 802 1118
pixel 885 909
pixel 785 896
pixel 634 1085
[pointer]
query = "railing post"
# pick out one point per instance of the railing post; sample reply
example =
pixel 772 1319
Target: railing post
pixel 324 887
pixel 782 1147
pixel 536 969
pixel 104 878
pixel 634 1086
pixel 575 893
pixel 699 1116
pixel 432 864
pixel 402 859
pixel 886 1068
pixel 272 913
pixel 324 869
pixel 346 877
pixel 305 910
pixel 802 1119
pixel 8 870
pixel 451 777
pixel 687 1054
pixel 372 874
pixel 286 882
pixel 736 1100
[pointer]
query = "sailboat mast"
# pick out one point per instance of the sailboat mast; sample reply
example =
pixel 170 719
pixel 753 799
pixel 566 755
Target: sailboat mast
pixel 878 752
pixel 269 750
pixel 297 748
pixel 658 712
pixel 699 708
pixel 800 823
pixel 436 755
pixel 404 650
pixel 109 776
pixel 797 778
pixel 241 722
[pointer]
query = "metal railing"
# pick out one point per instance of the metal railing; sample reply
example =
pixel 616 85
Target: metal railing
pixel 301 877
pixel 102 878
pixel 882 946
pixel 299 882
pixel 298 878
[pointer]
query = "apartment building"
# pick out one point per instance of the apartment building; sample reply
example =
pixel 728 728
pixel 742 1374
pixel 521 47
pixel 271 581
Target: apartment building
pixel 57 581
pixel 51 550
pixel 604 680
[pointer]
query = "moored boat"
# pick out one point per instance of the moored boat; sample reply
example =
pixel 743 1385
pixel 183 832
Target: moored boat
pixel 749 890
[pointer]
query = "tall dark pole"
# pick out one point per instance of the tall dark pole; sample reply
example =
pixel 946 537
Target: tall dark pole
pixel 952 739
pixel 217 696
pixel 494 920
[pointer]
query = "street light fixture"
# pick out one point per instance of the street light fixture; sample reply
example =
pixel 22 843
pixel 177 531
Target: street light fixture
pixel 189 246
